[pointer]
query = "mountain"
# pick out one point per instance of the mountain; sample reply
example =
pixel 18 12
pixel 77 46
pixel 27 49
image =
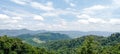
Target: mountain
pixel 90 44
pixel 72 43
pixel 111 40
pixel 18 32
pixel 42 37
pixel 72 34
pixel 10 45
pixel 76 34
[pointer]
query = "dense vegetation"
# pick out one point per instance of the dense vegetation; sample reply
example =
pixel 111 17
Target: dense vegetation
pixel 16 46
pixel 39 38
pixel 71 43
pixel 94 44
pixel 90 44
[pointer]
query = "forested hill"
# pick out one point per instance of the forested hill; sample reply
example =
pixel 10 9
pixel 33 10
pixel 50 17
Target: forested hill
pixel 104 41
pixel 42 37
pixel 16 46
pixel 90 44
pixel 73 43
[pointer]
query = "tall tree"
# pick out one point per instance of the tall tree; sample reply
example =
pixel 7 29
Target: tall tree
pixel 89 46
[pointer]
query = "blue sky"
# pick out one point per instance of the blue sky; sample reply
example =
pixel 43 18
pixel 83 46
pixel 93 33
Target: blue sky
pixel 81 15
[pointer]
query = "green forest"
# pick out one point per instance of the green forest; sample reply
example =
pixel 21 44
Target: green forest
pixel 89 44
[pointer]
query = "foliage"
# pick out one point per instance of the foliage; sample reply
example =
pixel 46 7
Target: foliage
pixel 43 37
pixel 16 46
pixel 90 44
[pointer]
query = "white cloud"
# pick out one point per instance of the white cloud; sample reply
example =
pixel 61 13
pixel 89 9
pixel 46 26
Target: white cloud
pixel 96 20
pixel 50 4
pixel 4 17
pixel 100 21
pixel 17 18
pixel 94 9
pixel 22 2
pixel 116 2
pixel 56 27
pixel 18 13
pixel 47 7
pixel 103 10
pixel 83 21
pixel 38 17
pixel 8 19
pixel 49 14
pixel 40 24
pixel 92 20
pixel 83 16
pixel 114 21
pixel 87 19
pixel 11 21
pixel 72 4
pixel 54 13
pixel 58 12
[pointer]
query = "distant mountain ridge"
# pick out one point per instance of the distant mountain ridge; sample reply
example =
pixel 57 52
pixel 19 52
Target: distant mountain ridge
pixel 19 32
pixel 76 34
pixel 73 34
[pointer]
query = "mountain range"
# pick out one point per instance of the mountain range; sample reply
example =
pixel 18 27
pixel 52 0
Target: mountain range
pixel 72 34
pixel 59 43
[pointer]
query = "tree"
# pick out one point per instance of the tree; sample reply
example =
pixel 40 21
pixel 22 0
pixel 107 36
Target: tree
pixel 89 46
pixel 16 46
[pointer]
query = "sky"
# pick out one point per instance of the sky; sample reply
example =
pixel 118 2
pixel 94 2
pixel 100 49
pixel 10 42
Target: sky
pixel 60 15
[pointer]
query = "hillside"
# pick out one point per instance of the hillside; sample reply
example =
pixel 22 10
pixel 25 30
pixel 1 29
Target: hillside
pixel 90 44
pixel 16 46
pixel 74 43
pixel 42 37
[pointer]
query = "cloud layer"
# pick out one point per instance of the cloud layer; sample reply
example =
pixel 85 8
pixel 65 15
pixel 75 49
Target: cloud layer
pixel 60 15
